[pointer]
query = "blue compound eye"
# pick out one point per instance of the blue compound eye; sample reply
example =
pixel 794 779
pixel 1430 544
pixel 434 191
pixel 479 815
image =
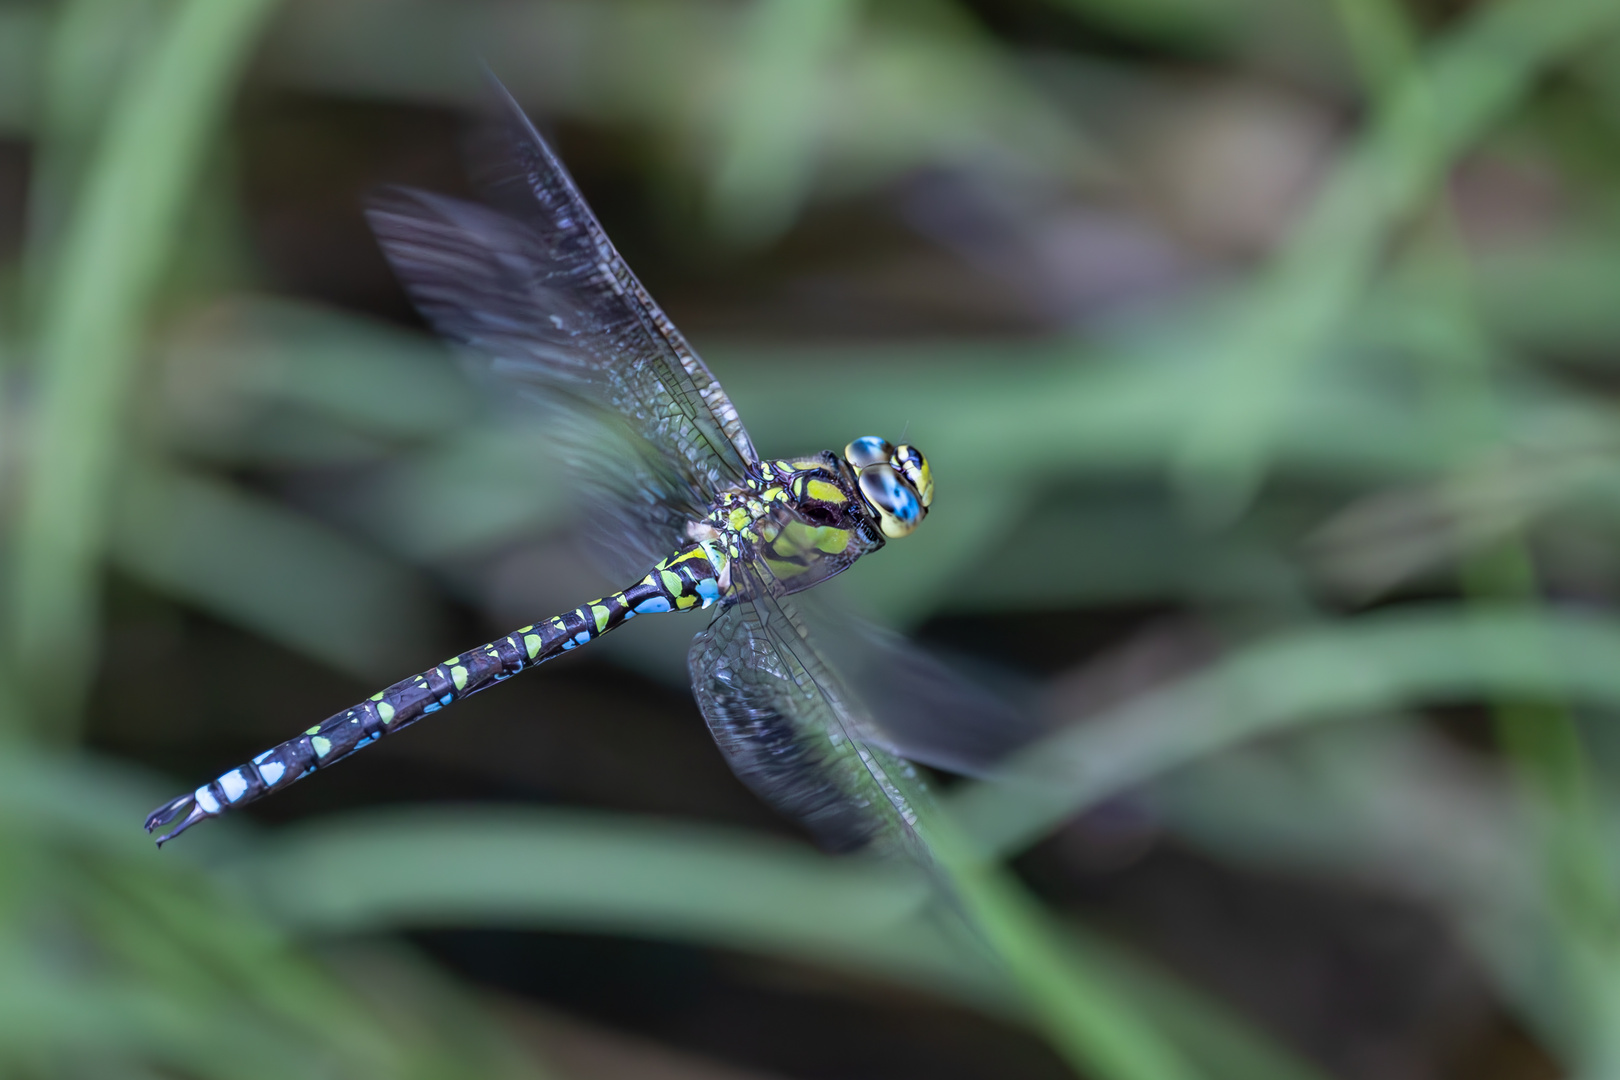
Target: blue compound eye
pixel 910 463
pixel 892 499
pixel 868 450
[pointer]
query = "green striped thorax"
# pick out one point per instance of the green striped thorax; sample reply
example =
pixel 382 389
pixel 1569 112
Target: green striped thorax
pixel 809 518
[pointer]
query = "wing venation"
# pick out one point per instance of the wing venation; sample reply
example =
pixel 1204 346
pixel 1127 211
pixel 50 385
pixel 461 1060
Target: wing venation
pixel 544 302
pixel 787 729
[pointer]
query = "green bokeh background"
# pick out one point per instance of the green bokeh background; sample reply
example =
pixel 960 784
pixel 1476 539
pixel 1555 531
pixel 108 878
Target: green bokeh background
pixel 1264 352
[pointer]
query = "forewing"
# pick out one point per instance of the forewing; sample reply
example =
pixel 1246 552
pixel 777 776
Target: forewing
pixel 788 730
pixel 520 174
pixel 541 296
pixel 636 502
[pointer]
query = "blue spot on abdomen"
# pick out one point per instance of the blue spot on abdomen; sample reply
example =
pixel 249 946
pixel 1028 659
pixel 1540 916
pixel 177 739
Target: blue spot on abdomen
pixel 233 784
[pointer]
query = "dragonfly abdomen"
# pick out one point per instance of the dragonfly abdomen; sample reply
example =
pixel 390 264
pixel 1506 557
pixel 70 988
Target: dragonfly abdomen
pixel 685 581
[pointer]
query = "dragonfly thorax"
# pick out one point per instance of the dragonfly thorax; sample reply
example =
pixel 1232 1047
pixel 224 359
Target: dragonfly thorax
pixel 801 519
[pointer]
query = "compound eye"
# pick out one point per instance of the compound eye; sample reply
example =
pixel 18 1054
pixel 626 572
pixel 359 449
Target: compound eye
pixel 896 504
pixel 914 467
pixel 868 450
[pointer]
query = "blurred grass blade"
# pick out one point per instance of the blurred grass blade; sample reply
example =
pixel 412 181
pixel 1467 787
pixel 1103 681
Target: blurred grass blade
pixel 1560 295
pixel 1083 1019
pixel 85 58
pixel 361 373
pixel 917 85
pixel 256 564
pixel 122 1019
pixel 1472 78
pixel 23 33
pixel 770 127
pixel 497 482
pixel 1199 24
pixel 1390 806
pixel 593 872
pixel 590 872
pixel 115 246
pixel 112 953
pixel 1381 45
pixel 1086 1021
pixel 1080 410
pixel 1377 662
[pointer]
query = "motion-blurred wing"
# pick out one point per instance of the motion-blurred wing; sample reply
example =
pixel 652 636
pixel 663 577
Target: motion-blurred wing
pixel 544 296
pixel 912 703
pixel 787 728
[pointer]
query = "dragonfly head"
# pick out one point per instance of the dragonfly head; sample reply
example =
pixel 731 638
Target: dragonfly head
pixel 895 483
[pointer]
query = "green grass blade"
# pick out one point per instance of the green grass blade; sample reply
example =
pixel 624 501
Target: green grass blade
pixel 593 872
pixel 771 119
pixel 113 253
pixel 1379 662
pixel 1094 1027
pixel 261 566
pixel 23 32
pixel 1475 75
pixel 112 951
pixel 607 874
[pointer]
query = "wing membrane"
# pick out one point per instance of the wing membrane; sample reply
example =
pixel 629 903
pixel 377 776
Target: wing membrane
pixel 917 705
pixel 789 731
pixel 543 298
pixel 525 178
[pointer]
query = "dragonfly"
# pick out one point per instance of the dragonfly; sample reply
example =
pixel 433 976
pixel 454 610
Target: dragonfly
pixel 528 284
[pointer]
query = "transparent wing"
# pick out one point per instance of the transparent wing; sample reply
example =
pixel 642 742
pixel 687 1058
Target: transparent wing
pixel 913 703
pixel 636 501
pixel 789 730
pixel 539 293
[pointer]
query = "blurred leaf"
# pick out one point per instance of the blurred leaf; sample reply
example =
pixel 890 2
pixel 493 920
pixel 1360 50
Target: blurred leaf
pixel 1179 21
pixel 251 562
pixel 496 482
pixel 918 85
pixel 86 55
pixel 1370 664
pixel 1059 408
pixel 1083 1017
pixel 1560 295
pixel 115 955
pixel 1386 805
pixel 984 412
pixel 927 87
pixel 1475 74
pixel 584 871
pixel 593 872
pixel 114 250
pixel 1387 539
pixel 22 36
pixel 361 374
pixel 769 128
pixel 289 385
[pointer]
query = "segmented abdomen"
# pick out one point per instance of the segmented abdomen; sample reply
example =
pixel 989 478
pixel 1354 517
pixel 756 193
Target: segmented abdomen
pixel 685 581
